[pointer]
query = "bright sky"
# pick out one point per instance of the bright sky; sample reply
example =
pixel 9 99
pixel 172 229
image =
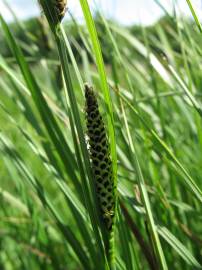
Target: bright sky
pixel 125 11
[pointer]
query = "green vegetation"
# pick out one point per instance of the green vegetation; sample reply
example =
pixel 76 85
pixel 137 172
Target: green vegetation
pixel 148 86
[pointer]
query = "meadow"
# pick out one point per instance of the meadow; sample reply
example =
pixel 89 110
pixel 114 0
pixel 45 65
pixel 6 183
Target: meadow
pixel 146 83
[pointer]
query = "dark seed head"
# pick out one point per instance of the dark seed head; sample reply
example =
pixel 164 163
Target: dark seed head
pixel 100 157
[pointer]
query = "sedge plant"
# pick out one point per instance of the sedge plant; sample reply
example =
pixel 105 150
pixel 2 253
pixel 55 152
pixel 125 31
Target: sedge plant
pixel 64 144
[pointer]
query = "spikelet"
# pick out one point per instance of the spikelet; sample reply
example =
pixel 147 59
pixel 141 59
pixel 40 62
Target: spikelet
pixel 100 158
pixel 60 6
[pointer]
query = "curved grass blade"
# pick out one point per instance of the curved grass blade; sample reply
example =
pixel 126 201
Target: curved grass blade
pixel 49 120
pixel 104 86
pixel 191 7
pixel 22 169
pixel 188 179
pixel 178 247
pixel 88 187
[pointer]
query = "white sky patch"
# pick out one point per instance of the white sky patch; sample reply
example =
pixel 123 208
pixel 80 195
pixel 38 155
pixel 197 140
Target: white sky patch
pixel 4 11
pixel 124 11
